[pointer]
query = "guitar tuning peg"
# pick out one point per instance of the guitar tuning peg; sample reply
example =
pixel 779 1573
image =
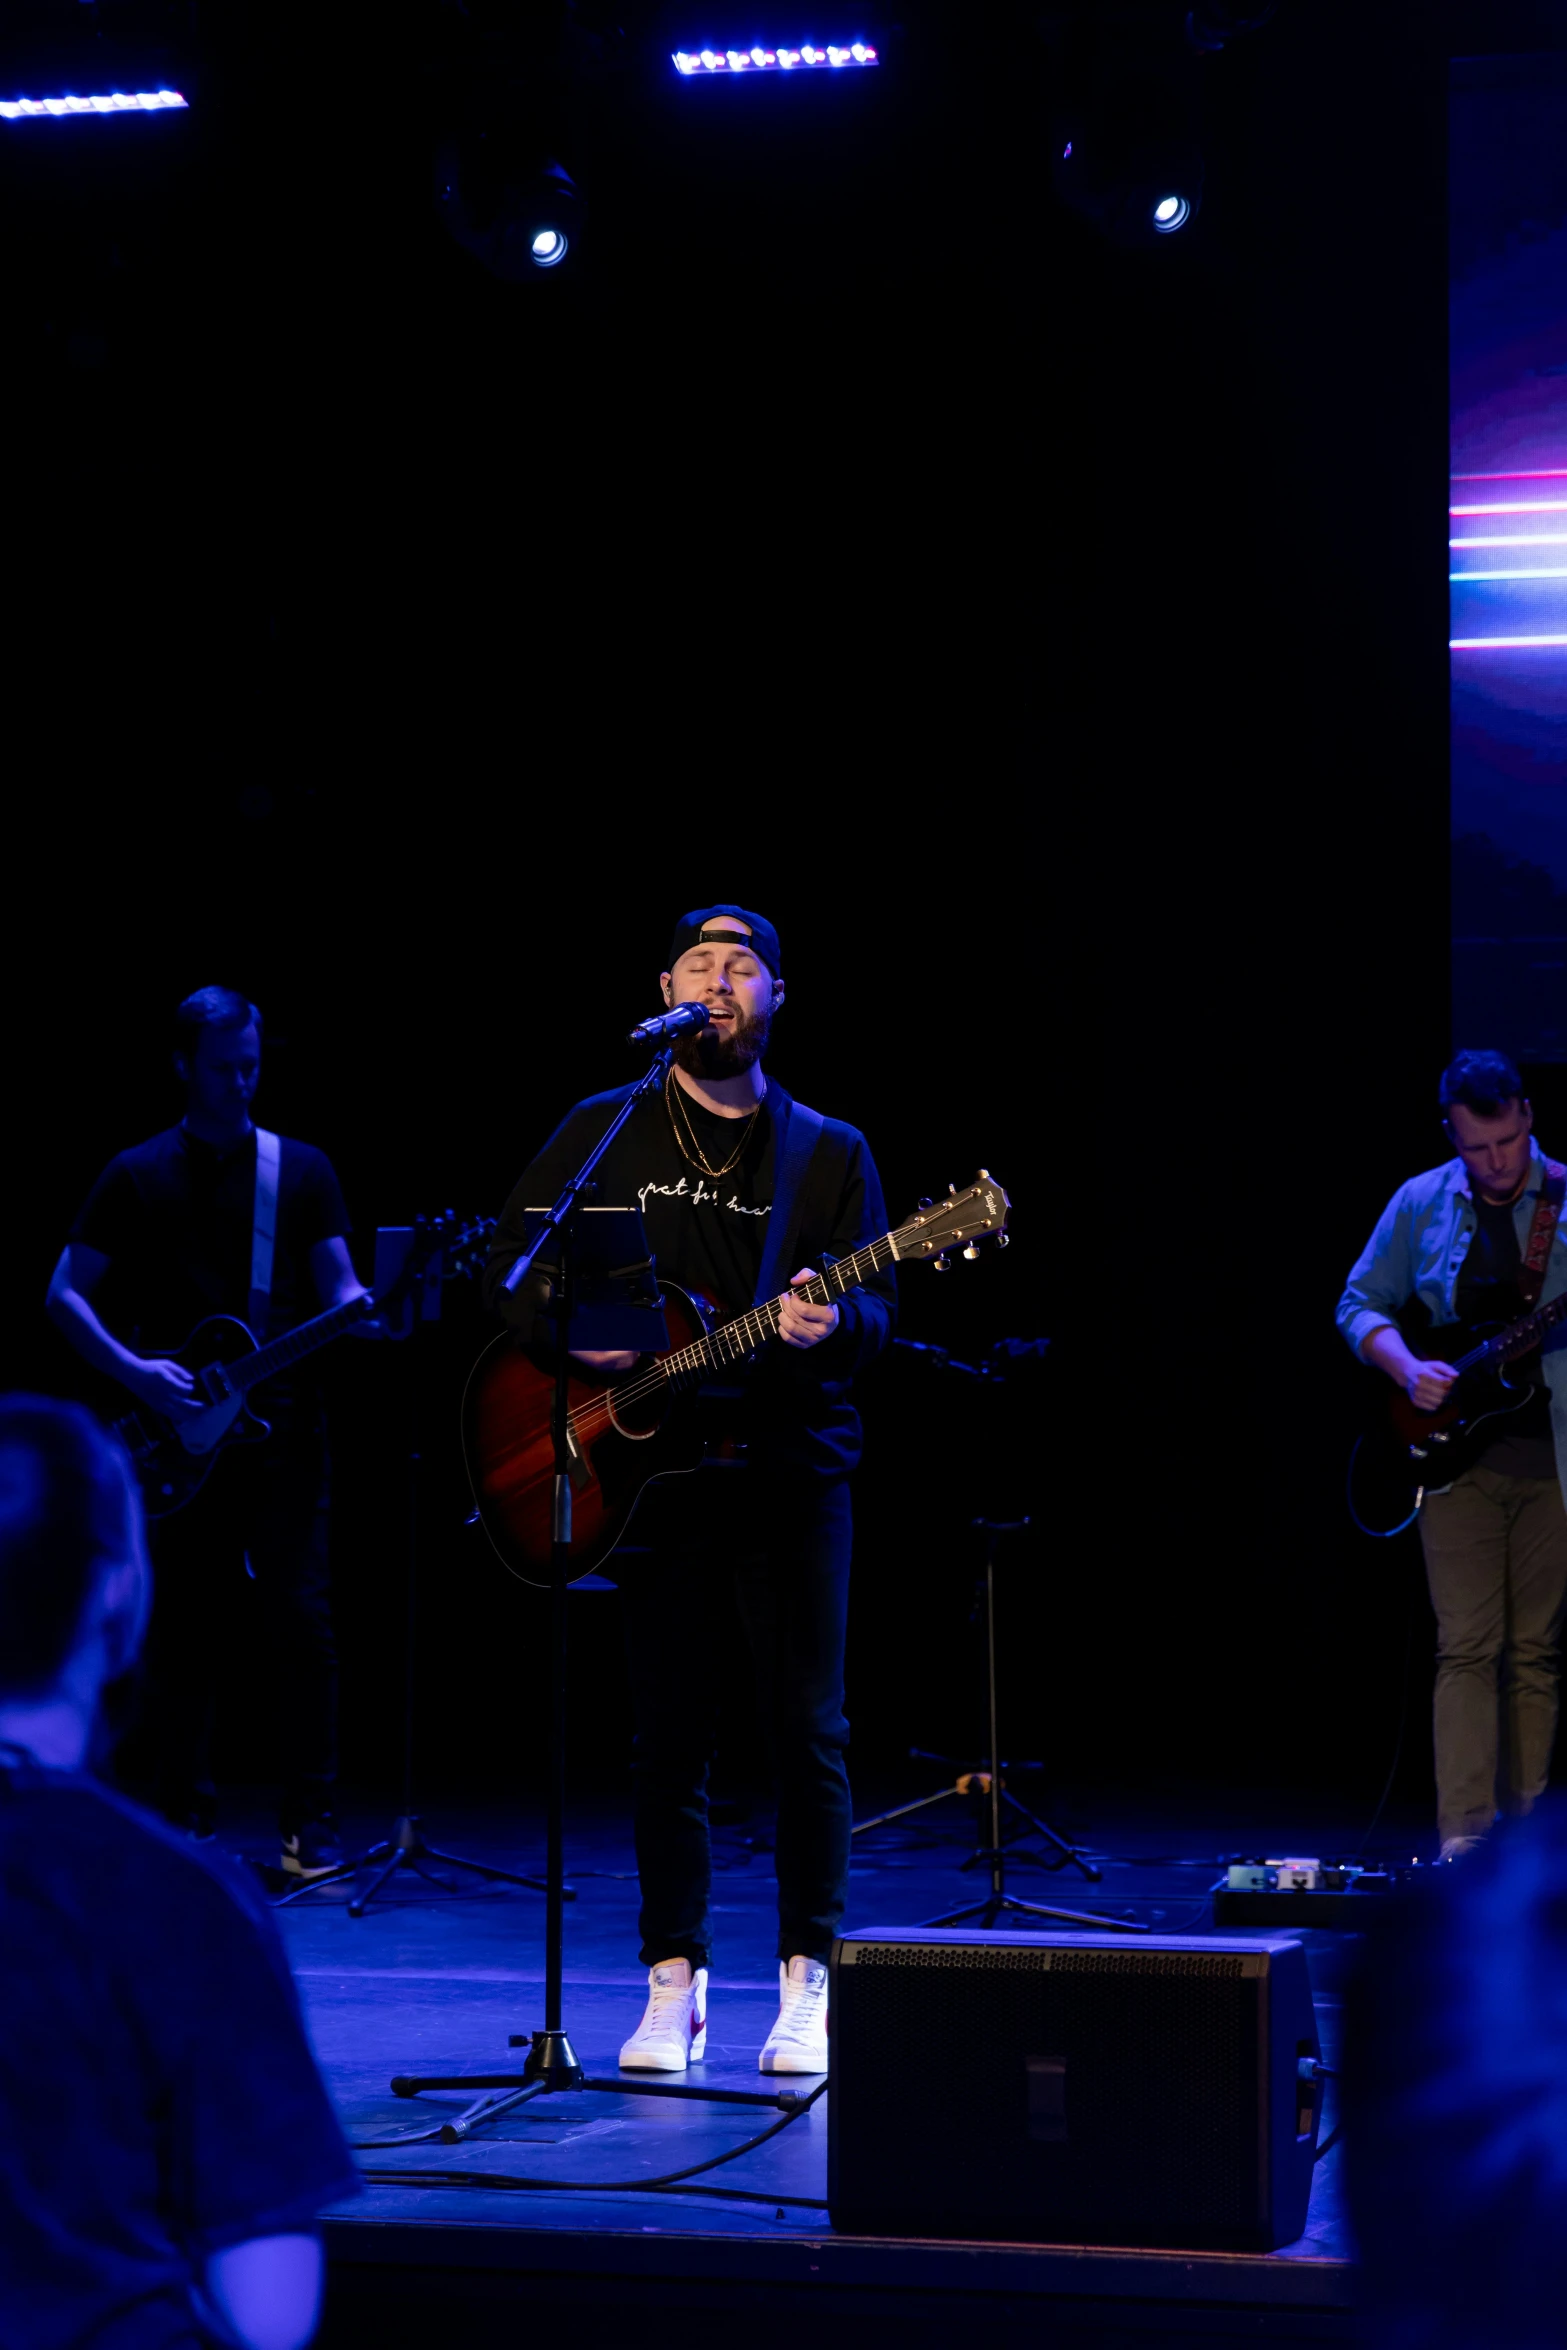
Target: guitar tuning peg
pixel 952 1190
pixel 971 1252
pixel 925 1204
pixel 1003 1240
pixel 941 1264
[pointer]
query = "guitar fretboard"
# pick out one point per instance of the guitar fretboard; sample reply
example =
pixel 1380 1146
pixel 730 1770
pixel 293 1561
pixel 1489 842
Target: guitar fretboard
pixel 733 1341
pixel 1519 1338
pixel 294 1345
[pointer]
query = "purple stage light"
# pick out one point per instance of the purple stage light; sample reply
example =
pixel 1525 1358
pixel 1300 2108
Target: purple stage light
pixel 1517 506
pixel 833 57
pixel 116 102
pixel 1499 644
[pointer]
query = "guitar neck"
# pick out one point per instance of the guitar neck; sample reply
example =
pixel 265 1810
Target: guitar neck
pixel 1519 1338
pixel 733 1341
pixel 294 1345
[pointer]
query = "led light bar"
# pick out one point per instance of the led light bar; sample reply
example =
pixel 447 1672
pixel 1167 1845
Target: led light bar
pixel 834 57
pixel 1499 644
pixel 118 102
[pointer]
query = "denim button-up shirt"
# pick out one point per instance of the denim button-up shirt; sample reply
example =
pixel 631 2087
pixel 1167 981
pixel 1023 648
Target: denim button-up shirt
pixel 1418 1250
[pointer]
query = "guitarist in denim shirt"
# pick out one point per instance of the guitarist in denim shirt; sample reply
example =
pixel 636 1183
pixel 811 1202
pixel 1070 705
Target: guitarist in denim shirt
pixel 1458 1241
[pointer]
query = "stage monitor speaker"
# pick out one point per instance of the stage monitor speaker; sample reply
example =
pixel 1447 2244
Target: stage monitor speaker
pixel 1072 2088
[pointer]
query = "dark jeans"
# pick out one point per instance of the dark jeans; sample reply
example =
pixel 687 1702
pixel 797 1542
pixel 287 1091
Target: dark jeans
pixel 248 1557
pixel 785 1545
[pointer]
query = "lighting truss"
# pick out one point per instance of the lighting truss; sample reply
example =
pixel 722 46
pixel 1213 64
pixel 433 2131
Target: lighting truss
pixel 117 102
pixel 832 59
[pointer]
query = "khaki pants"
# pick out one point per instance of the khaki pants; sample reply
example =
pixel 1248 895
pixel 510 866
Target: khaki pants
pixel 1496 1565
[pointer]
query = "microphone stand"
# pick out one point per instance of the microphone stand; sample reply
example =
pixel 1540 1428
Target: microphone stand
pixel 552 2063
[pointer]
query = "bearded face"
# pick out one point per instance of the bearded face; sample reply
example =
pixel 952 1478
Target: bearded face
pixel 729 1047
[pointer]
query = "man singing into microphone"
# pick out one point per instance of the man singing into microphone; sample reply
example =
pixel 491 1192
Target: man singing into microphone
pixel 736 1183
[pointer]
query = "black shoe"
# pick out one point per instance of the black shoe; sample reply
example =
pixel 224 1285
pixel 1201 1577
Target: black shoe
pixel 312 1848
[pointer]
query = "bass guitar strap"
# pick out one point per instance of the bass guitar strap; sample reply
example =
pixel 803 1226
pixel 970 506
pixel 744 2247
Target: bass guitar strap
pixel 795 1150
pixel 1537 1250
pixel 263 1239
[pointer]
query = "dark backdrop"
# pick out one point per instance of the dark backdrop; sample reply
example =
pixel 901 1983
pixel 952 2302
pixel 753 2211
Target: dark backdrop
pixel 1077 712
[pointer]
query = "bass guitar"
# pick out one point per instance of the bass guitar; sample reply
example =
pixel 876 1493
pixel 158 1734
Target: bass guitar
pixel 173 1458
pixel 1418 1450
pixel 625 1430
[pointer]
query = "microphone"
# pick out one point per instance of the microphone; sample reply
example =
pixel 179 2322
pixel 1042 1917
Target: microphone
pixel 677 1022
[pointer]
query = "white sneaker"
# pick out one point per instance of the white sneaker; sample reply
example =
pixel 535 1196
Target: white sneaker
pixel 797 2043
pixel 673 2033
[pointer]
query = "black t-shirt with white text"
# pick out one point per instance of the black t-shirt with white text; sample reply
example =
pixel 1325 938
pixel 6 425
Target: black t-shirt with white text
pixel 708 1234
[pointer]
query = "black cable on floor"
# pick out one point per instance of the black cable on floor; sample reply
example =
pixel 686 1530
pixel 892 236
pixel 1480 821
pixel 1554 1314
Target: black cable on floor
pixel 503 2179
pixel 671 2178
pixel 1329 2142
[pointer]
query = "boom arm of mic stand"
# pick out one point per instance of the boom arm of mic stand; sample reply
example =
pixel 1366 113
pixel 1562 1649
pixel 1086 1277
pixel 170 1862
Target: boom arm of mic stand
pixel 657 1070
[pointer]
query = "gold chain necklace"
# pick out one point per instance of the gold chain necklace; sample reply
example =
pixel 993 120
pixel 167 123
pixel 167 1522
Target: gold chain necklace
pixel 694 1154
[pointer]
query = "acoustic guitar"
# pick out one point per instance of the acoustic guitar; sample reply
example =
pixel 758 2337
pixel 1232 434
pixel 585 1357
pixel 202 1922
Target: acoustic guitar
pixel 633 1426
pixel 173 1458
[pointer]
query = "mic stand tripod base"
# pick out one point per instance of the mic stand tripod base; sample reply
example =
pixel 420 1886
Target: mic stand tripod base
pixel 552 2062
pixel 985 1913
pixel 407 1849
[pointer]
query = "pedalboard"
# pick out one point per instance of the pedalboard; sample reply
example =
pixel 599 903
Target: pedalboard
pixel 1304 1891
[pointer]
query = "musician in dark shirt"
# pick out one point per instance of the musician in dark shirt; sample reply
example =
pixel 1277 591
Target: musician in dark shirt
pixel 1455 1240
pixel 702 1162
pixel 164 1240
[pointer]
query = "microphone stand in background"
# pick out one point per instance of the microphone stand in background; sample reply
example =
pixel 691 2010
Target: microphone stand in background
pixel 998 1903
pixel 404 1846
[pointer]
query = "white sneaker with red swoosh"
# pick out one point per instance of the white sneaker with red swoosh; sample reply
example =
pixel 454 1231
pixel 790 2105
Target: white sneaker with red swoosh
pixel 673 2032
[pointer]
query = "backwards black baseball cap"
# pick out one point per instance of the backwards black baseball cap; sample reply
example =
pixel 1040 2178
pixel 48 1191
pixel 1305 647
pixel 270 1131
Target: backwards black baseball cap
pixel 716 926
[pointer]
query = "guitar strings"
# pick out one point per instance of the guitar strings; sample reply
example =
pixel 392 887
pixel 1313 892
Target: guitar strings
pixel 592 1418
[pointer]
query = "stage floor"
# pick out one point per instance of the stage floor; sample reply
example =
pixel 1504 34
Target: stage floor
pixel 434 1980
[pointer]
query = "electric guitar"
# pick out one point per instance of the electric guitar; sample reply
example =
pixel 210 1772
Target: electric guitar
pixel 173 1458
pixel 1429 1449
pixel 628 1428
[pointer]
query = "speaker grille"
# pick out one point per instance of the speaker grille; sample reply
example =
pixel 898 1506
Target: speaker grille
pixel 1161 2090
pixel 926 1957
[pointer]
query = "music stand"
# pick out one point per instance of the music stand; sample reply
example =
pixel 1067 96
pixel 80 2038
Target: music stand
pixel 552 2063
pixel 404 1847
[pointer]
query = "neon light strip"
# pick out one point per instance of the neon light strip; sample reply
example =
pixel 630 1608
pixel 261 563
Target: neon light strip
pixel 1559 573
pixel 1546 473
pixel 704 61
pixel 1487 644
pixel 1522 506
pixel 1522 538
pixel 144 102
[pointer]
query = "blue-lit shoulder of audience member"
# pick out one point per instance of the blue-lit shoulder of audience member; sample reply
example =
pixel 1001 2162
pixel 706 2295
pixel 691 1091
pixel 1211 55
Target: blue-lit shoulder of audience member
pixel 166 2143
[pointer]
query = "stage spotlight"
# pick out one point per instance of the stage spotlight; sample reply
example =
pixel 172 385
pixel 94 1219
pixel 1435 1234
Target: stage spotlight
pixel 518 221
pixel 1171 212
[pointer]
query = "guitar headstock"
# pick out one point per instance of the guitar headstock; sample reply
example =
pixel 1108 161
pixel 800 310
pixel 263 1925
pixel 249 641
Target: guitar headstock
pixel 962 1219
pixel 465 1248
pixel 462 1248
